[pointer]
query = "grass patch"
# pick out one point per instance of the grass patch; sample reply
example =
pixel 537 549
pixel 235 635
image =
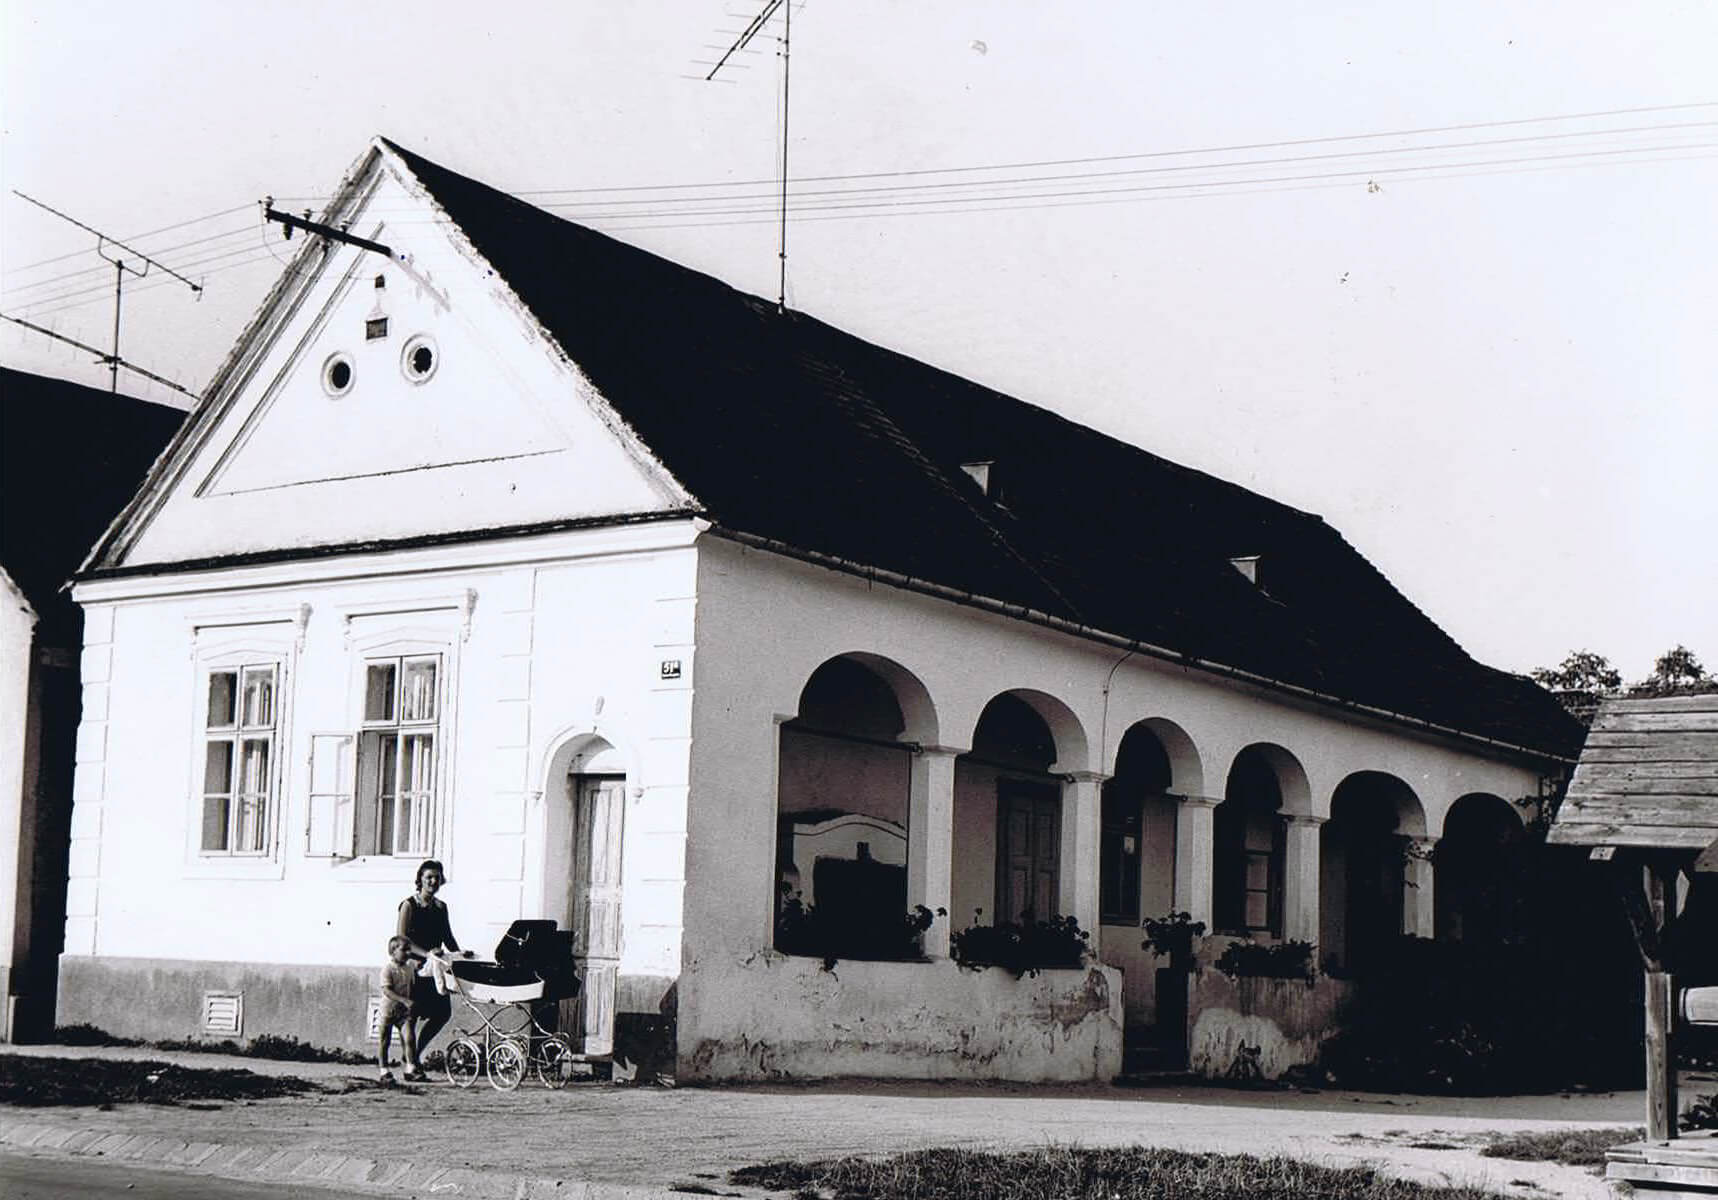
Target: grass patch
pixel 32 1081
pixel 1572 1148
pixel 1071 1173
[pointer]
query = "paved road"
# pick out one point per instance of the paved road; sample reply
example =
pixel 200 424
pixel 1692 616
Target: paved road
pixel 26 1178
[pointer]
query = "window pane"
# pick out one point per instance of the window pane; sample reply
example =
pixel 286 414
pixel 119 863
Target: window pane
pixel 259 698
pixel 1258 915
pixel 379 691
pixel 223 691
pixel 365 820
pixel 218 768
pixel 1258 873
pixel 389 748
pixel 253 772
pixel 215 823
pixel 418 702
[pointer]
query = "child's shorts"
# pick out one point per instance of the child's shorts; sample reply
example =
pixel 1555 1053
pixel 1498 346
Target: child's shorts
pixel 394 1013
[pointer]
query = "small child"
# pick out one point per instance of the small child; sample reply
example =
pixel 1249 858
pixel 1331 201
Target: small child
pixel 397 975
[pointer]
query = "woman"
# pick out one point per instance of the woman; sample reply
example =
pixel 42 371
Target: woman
pixel 425 926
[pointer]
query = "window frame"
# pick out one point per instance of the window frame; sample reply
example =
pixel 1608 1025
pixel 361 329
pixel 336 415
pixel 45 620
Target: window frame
pixel 373 632
pixel 387 807
pixel 1112 826
pixel 233 645
pixel 238 734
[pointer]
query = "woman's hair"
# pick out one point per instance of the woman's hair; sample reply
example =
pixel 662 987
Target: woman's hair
pixel 395 942
pixel 429 864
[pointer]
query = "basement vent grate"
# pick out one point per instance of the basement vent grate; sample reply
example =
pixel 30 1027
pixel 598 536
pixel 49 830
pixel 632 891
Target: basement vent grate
pixel 223 1013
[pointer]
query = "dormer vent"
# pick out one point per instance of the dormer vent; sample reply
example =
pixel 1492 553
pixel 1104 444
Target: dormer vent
pixel 980 474
pixel 1248 565
pixel 375 328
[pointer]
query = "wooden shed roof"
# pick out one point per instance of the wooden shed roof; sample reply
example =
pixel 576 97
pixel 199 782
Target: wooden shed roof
pixel 1647 777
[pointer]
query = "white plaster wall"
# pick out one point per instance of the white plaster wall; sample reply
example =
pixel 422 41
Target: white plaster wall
pixel 504 433
pixel 17 633
pixel 910 1021
pixel 553 624
pixel 766 622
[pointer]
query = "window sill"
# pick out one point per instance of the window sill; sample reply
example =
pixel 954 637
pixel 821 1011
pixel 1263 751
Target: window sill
pixel 372 868
pixel 234 867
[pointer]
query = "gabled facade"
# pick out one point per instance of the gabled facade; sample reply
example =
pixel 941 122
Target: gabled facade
pixel 652 610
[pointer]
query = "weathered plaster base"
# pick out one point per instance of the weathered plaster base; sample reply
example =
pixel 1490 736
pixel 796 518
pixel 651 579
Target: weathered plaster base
pixel 1287 1019
pixel 158 999
pixel 161 999
pixel 775 1017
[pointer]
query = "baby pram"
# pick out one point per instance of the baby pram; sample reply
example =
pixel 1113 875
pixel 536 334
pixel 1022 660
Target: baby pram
pixel 510 999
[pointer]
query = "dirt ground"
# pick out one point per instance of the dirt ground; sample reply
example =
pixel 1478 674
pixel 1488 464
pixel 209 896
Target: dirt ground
pixel 661 1137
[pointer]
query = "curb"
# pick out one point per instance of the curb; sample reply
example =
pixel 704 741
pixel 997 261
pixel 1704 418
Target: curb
pixel 262 1164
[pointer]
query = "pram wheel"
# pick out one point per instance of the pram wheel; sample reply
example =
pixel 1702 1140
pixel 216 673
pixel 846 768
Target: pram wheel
pixel 554 1061
pixel 506 1065
pixel 463 1061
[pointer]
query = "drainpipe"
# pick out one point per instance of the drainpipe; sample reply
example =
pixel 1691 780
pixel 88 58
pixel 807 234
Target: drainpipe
pixel 1133 646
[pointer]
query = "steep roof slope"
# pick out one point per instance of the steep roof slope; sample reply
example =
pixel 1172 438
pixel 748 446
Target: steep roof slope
pixel 70 457
pixel 788 429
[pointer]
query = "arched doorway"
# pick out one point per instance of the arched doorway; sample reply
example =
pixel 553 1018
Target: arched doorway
pixel 582 882
pixel 1008 817
pixel 1479 870
pixel 1363 854
pixel 844 795
pixel 1248 837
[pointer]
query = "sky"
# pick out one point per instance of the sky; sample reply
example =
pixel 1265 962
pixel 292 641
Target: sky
pixel 1447 277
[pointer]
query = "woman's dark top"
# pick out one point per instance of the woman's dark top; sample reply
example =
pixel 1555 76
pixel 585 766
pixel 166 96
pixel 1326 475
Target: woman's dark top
pixel 425 926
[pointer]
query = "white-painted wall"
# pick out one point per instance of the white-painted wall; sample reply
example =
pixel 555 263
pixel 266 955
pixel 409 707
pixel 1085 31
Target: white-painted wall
pixel 17 636
pixel 546 640
pixel 765 623
pixel 503 433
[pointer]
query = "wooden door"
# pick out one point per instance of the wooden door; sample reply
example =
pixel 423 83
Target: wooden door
pixel 1028 857
pixel 599 807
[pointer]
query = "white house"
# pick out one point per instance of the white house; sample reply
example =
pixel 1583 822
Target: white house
pixel 70 457
pixel 650 609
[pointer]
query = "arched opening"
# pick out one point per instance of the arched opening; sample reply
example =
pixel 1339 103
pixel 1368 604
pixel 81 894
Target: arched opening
pixel 1479 868
pixel 843 798
pixel 1363 854
pixel 1248 832
pixel 1008 816
pixel 1136 846
pixel 582 880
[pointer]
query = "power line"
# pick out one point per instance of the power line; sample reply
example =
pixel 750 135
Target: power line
pixel 812 194
pixel 1064 162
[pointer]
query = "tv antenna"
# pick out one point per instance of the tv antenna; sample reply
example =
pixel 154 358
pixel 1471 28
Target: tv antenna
pixel 120 269
pixel 740 43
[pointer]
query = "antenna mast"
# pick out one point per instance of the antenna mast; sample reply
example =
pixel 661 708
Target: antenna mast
pixel 120 267
pixel 740 43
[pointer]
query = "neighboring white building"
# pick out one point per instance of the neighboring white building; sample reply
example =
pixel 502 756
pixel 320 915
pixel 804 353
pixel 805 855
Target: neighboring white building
pixel 70 457
pixel 645 607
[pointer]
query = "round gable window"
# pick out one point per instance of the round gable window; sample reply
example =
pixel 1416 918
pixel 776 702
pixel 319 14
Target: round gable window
pixel 337 375
pixel 419 359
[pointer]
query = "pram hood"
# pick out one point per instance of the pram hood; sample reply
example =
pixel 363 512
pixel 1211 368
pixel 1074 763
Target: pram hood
pixel 530 952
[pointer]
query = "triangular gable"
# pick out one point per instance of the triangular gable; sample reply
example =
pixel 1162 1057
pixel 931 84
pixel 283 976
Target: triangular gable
pixel 381 398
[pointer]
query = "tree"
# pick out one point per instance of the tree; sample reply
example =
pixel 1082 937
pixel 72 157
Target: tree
pixel 1580 682
pixel 1676 673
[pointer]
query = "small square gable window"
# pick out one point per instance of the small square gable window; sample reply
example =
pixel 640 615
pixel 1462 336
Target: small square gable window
pixel 375 328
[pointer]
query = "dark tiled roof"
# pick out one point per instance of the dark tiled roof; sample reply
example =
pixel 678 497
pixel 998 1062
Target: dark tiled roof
pixel 70 458
pixel 788 429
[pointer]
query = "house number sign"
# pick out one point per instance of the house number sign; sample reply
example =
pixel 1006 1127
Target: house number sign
pixel 671 668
